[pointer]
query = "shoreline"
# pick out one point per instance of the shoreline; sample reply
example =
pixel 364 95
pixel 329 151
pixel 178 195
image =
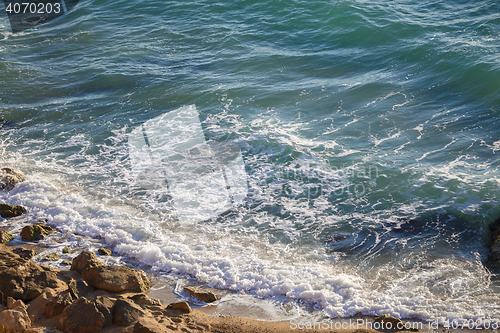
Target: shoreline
pixel 206 319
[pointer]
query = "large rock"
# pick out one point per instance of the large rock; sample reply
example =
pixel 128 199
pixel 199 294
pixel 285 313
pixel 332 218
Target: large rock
pixel 15 303
pixel 202 295
pixel 106 306
pixel 24 253
pixel 149 326
pixel 20 278
pixel 35 232
pixel 84 260
pixel 57 304
pixel 116 278
pixel 9 178
pixel 180 306
pixel 11 210
pixel 80 289
pixel 494 255
pixel 14 320
pixel 142 299
pixel 5 237
pixel 81 317
pixel 126 312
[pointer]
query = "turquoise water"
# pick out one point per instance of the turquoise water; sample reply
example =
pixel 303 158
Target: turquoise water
pixel 369 133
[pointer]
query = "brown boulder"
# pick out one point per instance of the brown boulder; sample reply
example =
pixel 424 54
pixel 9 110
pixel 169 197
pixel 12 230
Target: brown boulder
pixel 57 304
pixel 5 237
pixel 35 232
pixel 126 312
pixel 11 210
pixel 116 278
pixel 142 299
pixel 23 279
pixel 28 254
pixel 105 306
pixel 202 295
pixel 180 306
pixel 81 317
pixel 80 289
pixel 12 304
pixel 85 260
pixel 9 178
pixel 149 326
pixel 14 320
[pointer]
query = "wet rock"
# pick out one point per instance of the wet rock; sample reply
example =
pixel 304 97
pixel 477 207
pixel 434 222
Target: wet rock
pixel 15 320
pixel 116 278
pixel 494 255
pixel 52 257
pixel 66 250
pixel 126 312
pixel 23 253
pixel 106 306
pixel 23 279
pixel 5 237
pixel 11 210
pixel 13 303
pixel 142 299
pixel 42 330
pixel 388 322
pixel 85 260
pixel 66 262
pixel 104 252
pixel 56 305
pixel 81 317
pixel 202 295
pixel 180 306
pixel 35 232
pixel 9 178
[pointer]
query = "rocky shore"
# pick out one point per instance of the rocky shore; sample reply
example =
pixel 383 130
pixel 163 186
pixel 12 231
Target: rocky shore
pixel 91 297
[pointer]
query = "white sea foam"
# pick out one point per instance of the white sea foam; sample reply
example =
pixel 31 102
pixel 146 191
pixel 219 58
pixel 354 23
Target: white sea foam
pixel 246 262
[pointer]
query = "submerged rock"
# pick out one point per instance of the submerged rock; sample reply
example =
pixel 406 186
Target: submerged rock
pixel 35 232
pixel 104 252
pixel 7 211
pixel 494 255
pixel 52 257
pixel 202 295
pixel 116 278
pixel 9 178
pixel 84 260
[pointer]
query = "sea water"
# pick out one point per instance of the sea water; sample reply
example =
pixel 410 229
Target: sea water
pixel 368 132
